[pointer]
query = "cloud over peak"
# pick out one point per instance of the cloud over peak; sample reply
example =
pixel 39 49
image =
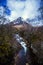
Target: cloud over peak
pixel 23 8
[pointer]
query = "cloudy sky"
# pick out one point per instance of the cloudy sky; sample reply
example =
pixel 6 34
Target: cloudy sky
pixel 21 8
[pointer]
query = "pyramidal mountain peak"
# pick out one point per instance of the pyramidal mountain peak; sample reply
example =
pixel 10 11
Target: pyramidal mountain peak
pixel 18 21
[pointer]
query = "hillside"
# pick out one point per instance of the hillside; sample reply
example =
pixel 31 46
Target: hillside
pixel 33 36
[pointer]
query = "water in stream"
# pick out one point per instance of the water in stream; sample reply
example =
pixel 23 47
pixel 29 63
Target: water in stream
pixel 20 40
pixel 21 57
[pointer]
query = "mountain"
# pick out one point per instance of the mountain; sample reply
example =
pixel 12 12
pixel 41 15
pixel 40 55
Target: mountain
pixel 18 21
pixel 20 24
pixel 32 34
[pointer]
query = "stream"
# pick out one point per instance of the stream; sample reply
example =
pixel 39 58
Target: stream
pixel 21 42
pixel 22 53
